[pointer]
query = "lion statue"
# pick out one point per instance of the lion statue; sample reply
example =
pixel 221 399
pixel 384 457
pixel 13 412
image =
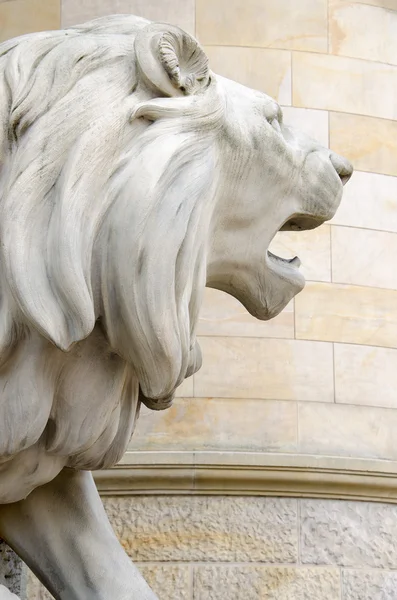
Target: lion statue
pixel 131 177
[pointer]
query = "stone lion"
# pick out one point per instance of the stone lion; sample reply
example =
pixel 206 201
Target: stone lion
pixel 131 177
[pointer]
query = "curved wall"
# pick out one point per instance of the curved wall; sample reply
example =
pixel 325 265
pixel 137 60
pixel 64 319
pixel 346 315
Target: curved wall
pixel 304 405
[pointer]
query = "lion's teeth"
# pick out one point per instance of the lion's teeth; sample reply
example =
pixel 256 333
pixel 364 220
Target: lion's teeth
pixel 295 261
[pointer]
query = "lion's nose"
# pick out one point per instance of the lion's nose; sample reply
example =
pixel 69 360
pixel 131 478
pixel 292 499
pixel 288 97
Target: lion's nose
pixel 342 166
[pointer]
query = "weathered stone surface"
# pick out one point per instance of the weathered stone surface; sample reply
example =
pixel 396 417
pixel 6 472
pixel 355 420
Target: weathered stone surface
pixel 35 589
pixel 350 534
pixel 369 585
pixel 204 528
pixel 169 582
pixel 11 569
pixel 265 583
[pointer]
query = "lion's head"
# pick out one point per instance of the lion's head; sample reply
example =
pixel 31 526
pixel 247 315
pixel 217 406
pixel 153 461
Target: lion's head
pixel 131 177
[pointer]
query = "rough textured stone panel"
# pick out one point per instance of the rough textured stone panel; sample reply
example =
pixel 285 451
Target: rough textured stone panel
pixel 350 534
pixel 265 583
pixel 11 569
pixel 369 585
pixel 169 582
pixel 204 528
pixel 35 590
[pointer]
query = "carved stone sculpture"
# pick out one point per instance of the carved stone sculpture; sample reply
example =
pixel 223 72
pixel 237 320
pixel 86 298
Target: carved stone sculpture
pixel 131 177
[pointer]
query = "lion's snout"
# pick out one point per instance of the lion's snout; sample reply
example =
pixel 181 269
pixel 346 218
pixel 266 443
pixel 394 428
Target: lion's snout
pixel 342 166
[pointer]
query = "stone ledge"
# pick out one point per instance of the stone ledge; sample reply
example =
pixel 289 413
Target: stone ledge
pixel 250 474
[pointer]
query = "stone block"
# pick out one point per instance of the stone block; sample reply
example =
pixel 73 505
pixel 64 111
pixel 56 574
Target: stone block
pixel 26 16
pixel 177 12
pixel 263 24
pixel 265 368
pixel 363 31
pixel 12 570
pixel 366 375
pixel 347 313
pixel 169 582
pixel 371 144
pixel 241 64
pixel 223 315
pixel 219 424
pixel 206 528
pixel 349 534
pixel 220 582
pixel 35 590
pixel 344 84
pixel 345 430
pixel 369 585
pixel 364 257
pixel 369 201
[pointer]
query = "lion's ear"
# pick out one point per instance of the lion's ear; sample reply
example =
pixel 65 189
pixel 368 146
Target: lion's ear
pixel 171 61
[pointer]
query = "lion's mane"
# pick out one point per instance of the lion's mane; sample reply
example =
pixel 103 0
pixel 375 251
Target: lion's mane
pixel 106 198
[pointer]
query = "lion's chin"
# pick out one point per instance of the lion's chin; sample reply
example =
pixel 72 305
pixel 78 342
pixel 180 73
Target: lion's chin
pixel 281 281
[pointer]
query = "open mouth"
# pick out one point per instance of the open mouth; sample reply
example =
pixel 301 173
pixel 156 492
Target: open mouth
pixel 288 268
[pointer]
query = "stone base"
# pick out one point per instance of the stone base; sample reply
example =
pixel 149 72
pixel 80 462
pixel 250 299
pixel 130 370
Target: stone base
pixel 13 573
pixel 257 548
